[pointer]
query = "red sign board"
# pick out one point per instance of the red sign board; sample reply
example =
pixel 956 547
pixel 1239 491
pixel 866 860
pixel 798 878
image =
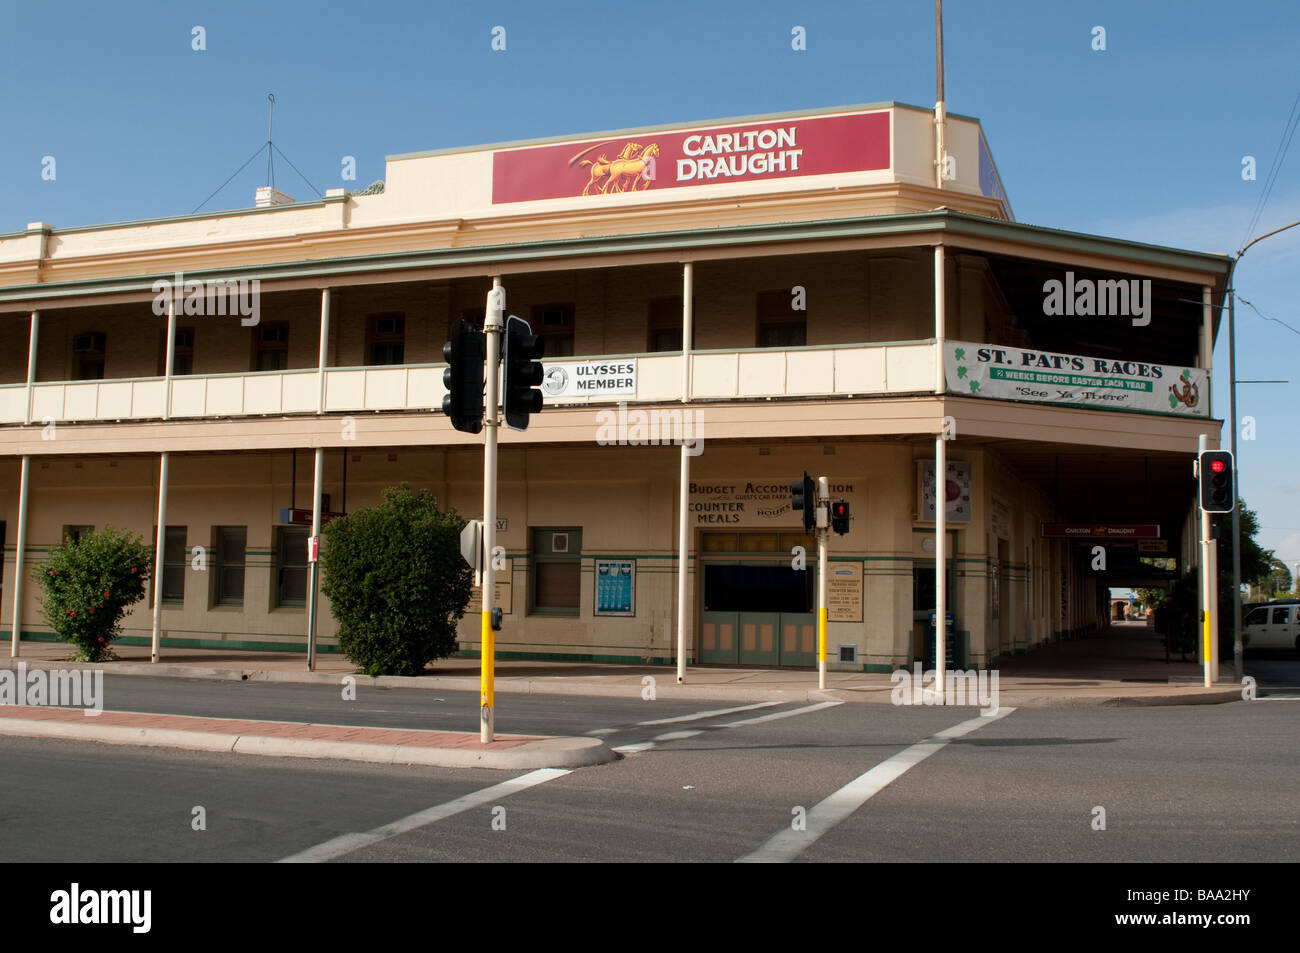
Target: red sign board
pixel 1101 530
pixel 653 161
pixel 303 517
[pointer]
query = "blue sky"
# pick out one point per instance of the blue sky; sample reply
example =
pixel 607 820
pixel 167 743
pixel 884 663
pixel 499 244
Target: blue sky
pixel 1144 140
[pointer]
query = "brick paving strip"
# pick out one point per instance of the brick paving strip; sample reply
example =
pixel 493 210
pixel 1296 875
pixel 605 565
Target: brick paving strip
pixel 405 737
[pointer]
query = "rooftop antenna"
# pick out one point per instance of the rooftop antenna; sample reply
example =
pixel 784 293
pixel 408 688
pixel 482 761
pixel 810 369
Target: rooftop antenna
pixel 270 149
pixel 940 146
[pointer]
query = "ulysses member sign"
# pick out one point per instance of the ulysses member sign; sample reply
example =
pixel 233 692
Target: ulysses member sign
pixel 1009 373
pixel 590 379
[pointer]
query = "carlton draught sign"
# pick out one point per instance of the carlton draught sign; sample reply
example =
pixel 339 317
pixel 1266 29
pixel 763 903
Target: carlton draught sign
pixel 653 161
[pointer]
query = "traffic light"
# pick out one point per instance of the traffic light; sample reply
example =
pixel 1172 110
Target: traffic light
pixel 463 378
pixel 803 496
pixel 840 516
pixel 1216 475
pixel 522 374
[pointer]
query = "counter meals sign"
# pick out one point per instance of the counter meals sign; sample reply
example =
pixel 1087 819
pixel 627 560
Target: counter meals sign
pixel 653 161
pixel 1010 373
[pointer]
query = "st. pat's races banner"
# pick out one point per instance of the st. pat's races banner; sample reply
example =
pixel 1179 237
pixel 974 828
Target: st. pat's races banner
pixel 1009 373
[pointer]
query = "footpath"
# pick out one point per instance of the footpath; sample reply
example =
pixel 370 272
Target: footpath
pixel 1123 667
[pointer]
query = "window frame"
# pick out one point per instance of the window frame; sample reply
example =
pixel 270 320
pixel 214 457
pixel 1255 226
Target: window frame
pixel 389 339
pixel 280 568
pixel 538 557
pixel 563 332
pixel 220 563
pixel 767 316
pixel 168 539
pixel 260 346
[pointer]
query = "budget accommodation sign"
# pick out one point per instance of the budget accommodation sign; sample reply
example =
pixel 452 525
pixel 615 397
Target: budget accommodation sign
pixel 654 161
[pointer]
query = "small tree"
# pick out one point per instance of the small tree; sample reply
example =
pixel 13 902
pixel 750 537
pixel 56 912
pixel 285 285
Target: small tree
pixel 396 582
pixel 89 585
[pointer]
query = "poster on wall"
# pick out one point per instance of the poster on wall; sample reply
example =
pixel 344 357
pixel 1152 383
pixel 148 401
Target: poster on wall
pixel 956 492
pixel 844 592
pixel 1012 373
pixel 616 587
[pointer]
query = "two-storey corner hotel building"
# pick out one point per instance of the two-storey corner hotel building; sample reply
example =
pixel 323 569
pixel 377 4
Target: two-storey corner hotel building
pixel 849 313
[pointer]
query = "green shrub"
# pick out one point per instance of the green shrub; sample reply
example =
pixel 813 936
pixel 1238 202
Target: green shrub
pixel 89 586
pixel 396 582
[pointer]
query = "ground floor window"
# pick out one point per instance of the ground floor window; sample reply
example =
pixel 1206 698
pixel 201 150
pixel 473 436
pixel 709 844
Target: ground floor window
pixel 75 533
pixel 173 571
pixel 229 544
pixel 291 566
pixel 555 571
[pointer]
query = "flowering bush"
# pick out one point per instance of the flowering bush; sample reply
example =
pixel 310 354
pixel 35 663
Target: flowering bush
pixel 89 585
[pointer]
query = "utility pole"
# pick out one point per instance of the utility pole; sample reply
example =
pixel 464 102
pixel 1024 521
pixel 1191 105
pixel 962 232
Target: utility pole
pixel 1238 663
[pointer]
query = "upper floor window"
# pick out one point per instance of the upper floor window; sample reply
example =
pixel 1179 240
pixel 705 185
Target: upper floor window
pixel 182 353
pixel 665 325
pixel 779 325
pixel 386 335
pixel 88 356
pixel 553 324
pixel 272 347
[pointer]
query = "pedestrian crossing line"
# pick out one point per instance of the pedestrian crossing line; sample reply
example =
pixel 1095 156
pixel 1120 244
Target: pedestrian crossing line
pixel 347 843
pixel 774 716
pixel 638 747
pixel 716 713
pixel 787 844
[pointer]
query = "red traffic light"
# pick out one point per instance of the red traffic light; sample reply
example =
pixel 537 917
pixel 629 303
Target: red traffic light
pixel 1216 466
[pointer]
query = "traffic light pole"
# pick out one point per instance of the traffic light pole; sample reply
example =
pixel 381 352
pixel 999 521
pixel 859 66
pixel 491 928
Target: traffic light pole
pixel 823 531
pixel 493 321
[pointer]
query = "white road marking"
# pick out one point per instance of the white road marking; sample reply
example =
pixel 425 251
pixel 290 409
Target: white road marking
pixel 781 714
pixel 603 731
pixel 706 714
pixel 347 843
pixel 681 735
pixel 635 748
pixel 788 844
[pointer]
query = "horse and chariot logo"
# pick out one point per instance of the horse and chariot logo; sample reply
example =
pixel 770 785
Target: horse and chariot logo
pixel 632 171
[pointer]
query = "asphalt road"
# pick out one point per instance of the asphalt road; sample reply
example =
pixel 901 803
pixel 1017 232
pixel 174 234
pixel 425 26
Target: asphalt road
pixel 1197 783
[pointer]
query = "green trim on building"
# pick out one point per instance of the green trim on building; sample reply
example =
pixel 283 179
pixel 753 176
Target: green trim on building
pixel 957 224
pixel 325 648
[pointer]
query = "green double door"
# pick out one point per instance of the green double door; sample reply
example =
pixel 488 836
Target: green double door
pixel 757 612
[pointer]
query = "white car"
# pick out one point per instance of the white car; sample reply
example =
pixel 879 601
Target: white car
pixel 1273 627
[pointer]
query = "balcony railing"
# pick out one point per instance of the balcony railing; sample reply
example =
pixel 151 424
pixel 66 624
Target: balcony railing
pixel 843 370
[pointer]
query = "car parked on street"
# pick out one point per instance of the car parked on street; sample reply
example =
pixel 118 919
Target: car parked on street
pixel 1274 626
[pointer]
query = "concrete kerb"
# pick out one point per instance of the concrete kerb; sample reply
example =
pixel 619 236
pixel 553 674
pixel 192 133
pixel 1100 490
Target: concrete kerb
pixel 542 753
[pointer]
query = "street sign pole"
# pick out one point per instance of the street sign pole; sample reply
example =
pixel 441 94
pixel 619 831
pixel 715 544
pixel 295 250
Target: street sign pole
pixel 823 530
pixel 493 322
